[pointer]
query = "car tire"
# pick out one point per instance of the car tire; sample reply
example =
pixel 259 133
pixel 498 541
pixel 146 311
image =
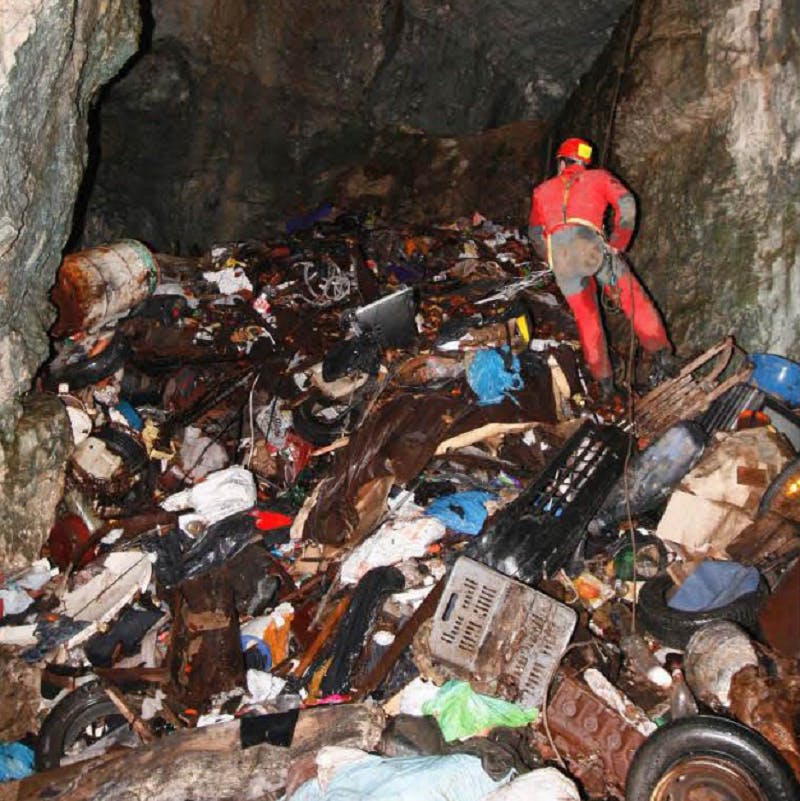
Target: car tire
pixel 706 748
pixel 674 628
pixel 69 718
pixel 78 369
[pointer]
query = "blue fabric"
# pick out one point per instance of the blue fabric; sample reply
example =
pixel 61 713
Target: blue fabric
pixel 463 512
pixel 249 641
pixel 492 374
pixel 16 761
pixel 714 584
pixel 427 778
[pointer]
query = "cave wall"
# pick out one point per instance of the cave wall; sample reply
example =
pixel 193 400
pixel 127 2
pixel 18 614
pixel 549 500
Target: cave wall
pixel 245 112
pixel 707 132
pixel 54 54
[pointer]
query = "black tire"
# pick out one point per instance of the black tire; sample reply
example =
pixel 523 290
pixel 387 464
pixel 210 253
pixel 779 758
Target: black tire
pixel 735 745
pixel 79 370
pixel 69 718
pixel 674 628
pixel 791 470
pixel 317 430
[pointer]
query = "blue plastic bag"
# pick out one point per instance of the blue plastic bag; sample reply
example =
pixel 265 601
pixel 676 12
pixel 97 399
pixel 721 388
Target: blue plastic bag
pixel 714 584
pixel 463 512
pixel 493 374
pixel 16 761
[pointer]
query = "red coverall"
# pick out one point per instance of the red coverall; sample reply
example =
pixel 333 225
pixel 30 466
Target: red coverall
pixel 566 226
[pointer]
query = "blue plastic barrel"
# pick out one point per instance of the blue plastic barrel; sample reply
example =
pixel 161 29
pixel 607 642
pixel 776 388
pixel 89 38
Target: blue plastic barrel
pixel 776 376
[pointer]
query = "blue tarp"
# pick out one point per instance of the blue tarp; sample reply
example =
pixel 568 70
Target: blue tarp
pixel 714 584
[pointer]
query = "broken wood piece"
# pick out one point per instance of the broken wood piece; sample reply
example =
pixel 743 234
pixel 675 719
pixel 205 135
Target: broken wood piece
pixel 205 654
pixel 400 643
pixel 204 764
pixel 322 637
pixel 136 723
pixel 484 432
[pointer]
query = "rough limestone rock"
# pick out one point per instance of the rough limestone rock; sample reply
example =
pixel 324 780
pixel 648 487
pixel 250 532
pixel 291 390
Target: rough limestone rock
pixel 54 54
pixel 707 133
pixel 243 113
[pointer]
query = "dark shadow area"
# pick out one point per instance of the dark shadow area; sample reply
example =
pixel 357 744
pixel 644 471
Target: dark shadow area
pixel 94 134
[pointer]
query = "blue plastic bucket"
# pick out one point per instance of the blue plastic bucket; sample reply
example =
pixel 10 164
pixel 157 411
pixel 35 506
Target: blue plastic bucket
pixel 776 376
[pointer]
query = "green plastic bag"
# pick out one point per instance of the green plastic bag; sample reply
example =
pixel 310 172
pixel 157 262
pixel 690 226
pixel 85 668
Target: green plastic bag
pixel 461 712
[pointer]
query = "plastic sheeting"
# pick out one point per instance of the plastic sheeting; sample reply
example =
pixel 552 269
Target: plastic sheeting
pixel 430 778
pixel 462 713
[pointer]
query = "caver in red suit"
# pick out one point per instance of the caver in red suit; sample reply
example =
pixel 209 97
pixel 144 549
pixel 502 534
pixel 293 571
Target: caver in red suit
pixel 569 220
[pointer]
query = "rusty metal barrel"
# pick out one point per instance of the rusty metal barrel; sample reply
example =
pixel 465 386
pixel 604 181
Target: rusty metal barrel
pixel 101 285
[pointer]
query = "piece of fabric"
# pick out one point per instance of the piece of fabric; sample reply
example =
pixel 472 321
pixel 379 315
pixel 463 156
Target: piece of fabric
pixel 714 584
pixel 462 713
pixel 463 512
pixel 493 374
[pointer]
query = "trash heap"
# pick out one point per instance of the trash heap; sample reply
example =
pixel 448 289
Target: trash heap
pixel 344 519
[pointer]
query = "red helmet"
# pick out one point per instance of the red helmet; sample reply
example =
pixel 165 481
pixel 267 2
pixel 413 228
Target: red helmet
pixel 576 149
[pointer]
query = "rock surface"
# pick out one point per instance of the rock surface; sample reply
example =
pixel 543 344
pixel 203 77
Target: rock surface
pixel 243 113
pixel 54 54
pixel 707 133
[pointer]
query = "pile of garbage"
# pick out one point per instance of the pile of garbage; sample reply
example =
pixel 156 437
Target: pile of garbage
pixel 343 518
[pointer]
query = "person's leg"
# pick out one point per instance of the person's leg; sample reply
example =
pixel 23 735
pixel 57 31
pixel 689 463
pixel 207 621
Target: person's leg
pixel 586 311
pixel 637 305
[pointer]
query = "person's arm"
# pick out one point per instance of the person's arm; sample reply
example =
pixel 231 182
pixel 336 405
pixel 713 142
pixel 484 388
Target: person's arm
pixel 536 230
pixel 623 204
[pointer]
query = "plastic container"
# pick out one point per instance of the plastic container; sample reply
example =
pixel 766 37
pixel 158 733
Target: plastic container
pixel 776 376
pixel 506 639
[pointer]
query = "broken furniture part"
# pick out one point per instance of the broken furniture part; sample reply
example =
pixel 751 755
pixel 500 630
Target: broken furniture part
pixel 101 285
pixel 596 741
pixel 538 533
pixel 673 627
pixel 691 757
pixel 698 383
pixel 503 637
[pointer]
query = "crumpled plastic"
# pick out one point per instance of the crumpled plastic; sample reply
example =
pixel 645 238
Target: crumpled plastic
pixel 404 537
pixel 544 784
pixel 220 495
pixel 463 512
pixel 492 374
pixel 714 584
pixel 462 713
pixel 374 778
pixel 16 761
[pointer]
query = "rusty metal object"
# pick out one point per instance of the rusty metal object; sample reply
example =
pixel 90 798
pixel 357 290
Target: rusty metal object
pixel 770 705
pixel 595 740
pixel 688 394
pixel 707 777
pixel 779 618
pixel 100 285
